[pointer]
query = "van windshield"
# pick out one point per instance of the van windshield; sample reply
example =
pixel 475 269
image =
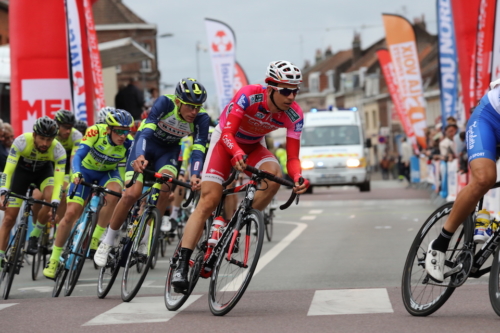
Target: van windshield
pixel 344 135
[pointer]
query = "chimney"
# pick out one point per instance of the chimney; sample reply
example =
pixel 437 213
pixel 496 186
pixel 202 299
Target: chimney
pixel 356 46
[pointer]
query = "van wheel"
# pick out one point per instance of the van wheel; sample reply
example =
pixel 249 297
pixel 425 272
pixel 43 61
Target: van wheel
pixel 309 190
pixel 365 187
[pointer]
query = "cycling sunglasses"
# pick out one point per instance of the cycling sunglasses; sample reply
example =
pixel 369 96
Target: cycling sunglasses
pixel 121 131
pixel 287 91
pixel 192 106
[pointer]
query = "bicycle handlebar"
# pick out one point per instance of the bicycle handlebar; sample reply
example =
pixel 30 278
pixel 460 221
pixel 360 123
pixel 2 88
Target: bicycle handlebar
pixel 279 180
pixel 94 187
pixel 12 194
pixel 164 178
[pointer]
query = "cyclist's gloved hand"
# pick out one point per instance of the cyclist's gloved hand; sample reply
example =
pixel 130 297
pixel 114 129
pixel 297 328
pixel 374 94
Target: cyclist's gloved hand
pixel 140 164
pixel 298 188
pixel 3 192
pixel 55 205
pixel 195 183
pixel 238 161
pixel 75 178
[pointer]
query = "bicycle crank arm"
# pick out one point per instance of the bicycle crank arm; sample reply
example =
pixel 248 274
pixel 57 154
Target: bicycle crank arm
pixel 454 270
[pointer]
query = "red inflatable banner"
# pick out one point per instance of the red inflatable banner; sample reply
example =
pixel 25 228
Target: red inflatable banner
pixel 240 78
pixel 465 14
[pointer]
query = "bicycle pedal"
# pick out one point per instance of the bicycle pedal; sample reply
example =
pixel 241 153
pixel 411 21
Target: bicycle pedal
pixel 180 291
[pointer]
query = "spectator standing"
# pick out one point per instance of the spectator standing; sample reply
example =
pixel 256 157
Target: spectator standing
pixel 4 152
pixel 406 154
pixel 447 147
pixel 385 163
pixel 8 134
pixel 130 99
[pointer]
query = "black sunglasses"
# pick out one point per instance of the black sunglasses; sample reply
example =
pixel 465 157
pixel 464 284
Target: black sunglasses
pixel 287 91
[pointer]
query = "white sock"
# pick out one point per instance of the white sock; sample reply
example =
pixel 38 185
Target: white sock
pixel 110 236
pixel 175 212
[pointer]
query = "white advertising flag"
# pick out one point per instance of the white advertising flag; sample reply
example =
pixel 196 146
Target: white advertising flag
pixel 221 43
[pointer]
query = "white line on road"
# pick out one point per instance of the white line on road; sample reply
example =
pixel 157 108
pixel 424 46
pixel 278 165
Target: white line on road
pixel 308 217
pixel 4 306
pixel 270 255
pixel 316 211
pixel 140 310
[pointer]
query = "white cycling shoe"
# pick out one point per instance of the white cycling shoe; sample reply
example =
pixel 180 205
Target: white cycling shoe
pixel 434 263
pixel 166 226
pixel 101 255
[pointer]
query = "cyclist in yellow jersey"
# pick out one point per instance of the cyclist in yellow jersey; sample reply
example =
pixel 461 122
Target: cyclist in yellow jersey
pixel 102 148
pixel 70 139
pixel 31 160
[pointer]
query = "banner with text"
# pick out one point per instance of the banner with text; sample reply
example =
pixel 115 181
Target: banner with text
pixel 465 16
pixel 222 45
pixel 39 62
pixel 385 61
pixel 447 61
pixel 484 46
pixel 495 61
pixel 400 39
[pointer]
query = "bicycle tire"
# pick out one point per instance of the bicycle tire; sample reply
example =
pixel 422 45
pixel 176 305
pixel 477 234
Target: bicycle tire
pixel 131 284
pixel 420 297
pixel 225 288
pixel 39 257
pixel 174 299
pixel 61 275
pixel 155 258
pixel 108 273
pixel 163 247
pixel 268 222
pixel 13 261
pixel 81 249
pixel 494 283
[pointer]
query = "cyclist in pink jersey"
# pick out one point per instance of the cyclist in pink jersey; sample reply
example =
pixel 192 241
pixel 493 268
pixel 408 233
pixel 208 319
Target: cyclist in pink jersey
pixel 252 113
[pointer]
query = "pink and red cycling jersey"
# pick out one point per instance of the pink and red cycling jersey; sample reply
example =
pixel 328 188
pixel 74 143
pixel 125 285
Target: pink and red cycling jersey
pixel 247 119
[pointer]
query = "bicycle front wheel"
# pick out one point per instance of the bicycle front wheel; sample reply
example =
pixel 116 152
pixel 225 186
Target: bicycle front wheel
pixel 141 253
pixel 108 273
pixel 231 277
pixel 13 261
pixel 421 295
pixel 40 258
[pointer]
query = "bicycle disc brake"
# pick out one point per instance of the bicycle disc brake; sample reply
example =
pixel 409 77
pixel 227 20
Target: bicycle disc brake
pixel 464 259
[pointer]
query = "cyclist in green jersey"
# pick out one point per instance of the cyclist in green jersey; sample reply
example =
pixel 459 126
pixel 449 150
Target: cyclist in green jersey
pixel 31 160
pixel 102 148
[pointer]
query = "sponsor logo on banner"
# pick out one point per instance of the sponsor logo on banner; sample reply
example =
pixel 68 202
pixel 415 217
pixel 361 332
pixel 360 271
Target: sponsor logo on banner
pixel 447 60
pixel 43 97
pixel 221 42
pixel 76 61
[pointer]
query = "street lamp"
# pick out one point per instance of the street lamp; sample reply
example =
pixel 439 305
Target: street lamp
pixel 198 48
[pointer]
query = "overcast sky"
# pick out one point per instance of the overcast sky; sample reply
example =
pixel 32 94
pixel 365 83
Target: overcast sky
pixel 267 30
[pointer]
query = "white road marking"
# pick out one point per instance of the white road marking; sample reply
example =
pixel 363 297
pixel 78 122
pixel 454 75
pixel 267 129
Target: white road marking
pixel 5 306
pixel 308 217
pixel 352 216
pixel 139 310
pixel 40 289
pixel 270 255
pixel 350 301
pixel 316 211
pixel 383 227
pixel 411 229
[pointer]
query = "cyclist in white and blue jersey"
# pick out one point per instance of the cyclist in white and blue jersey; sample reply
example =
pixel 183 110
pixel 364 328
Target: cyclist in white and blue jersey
pixel 482 138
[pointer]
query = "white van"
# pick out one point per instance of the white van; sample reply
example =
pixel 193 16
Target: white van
pixel 333 150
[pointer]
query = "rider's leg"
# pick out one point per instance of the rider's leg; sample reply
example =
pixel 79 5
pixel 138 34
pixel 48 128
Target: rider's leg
pixel 263 198
pixel 8 222
pixel 230 202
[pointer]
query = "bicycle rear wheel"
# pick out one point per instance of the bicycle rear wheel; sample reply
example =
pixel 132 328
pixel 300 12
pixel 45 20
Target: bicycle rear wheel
pixel 230 278
pixel 133 278
pixel 61 275
pixel 13 260
pixel 80 254
pixel 268 222
pixel 174 299
pixel 421 295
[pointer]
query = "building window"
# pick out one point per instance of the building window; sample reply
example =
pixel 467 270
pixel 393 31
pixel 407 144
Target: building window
pixel 314 82
pixel 367 121
pixel 375 120
pixel 330 74
pixel 118 69
pixel 146 65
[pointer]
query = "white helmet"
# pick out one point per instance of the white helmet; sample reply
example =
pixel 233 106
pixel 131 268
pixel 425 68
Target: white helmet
pixel 101 115
pixel 283 71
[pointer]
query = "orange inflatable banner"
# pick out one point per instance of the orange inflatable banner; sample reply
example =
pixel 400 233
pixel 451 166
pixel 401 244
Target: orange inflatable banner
pixel 400 39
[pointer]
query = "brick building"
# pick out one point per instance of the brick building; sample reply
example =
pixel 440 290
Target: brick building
pixel 126 37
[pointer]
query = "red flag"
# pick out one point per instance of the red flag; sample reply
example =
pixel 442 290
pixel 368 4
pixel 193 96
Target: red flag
pixel 240 78
pixel 384 58
pixel 465 13
pixel 484 47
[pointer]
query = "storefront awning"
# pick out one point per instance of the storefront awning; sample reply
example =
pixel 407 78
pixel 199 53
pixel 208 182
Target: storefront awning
pixel 122 51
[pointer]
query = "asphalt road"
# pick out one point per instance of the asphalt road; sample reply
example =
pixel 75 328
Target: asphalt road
pixel 334 264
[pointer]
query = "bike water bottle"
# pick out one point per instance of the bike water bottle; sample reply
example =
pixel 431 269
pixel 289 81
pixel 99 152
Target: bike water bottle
pixel 218 223
pixel 492 227
pixel 483 221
